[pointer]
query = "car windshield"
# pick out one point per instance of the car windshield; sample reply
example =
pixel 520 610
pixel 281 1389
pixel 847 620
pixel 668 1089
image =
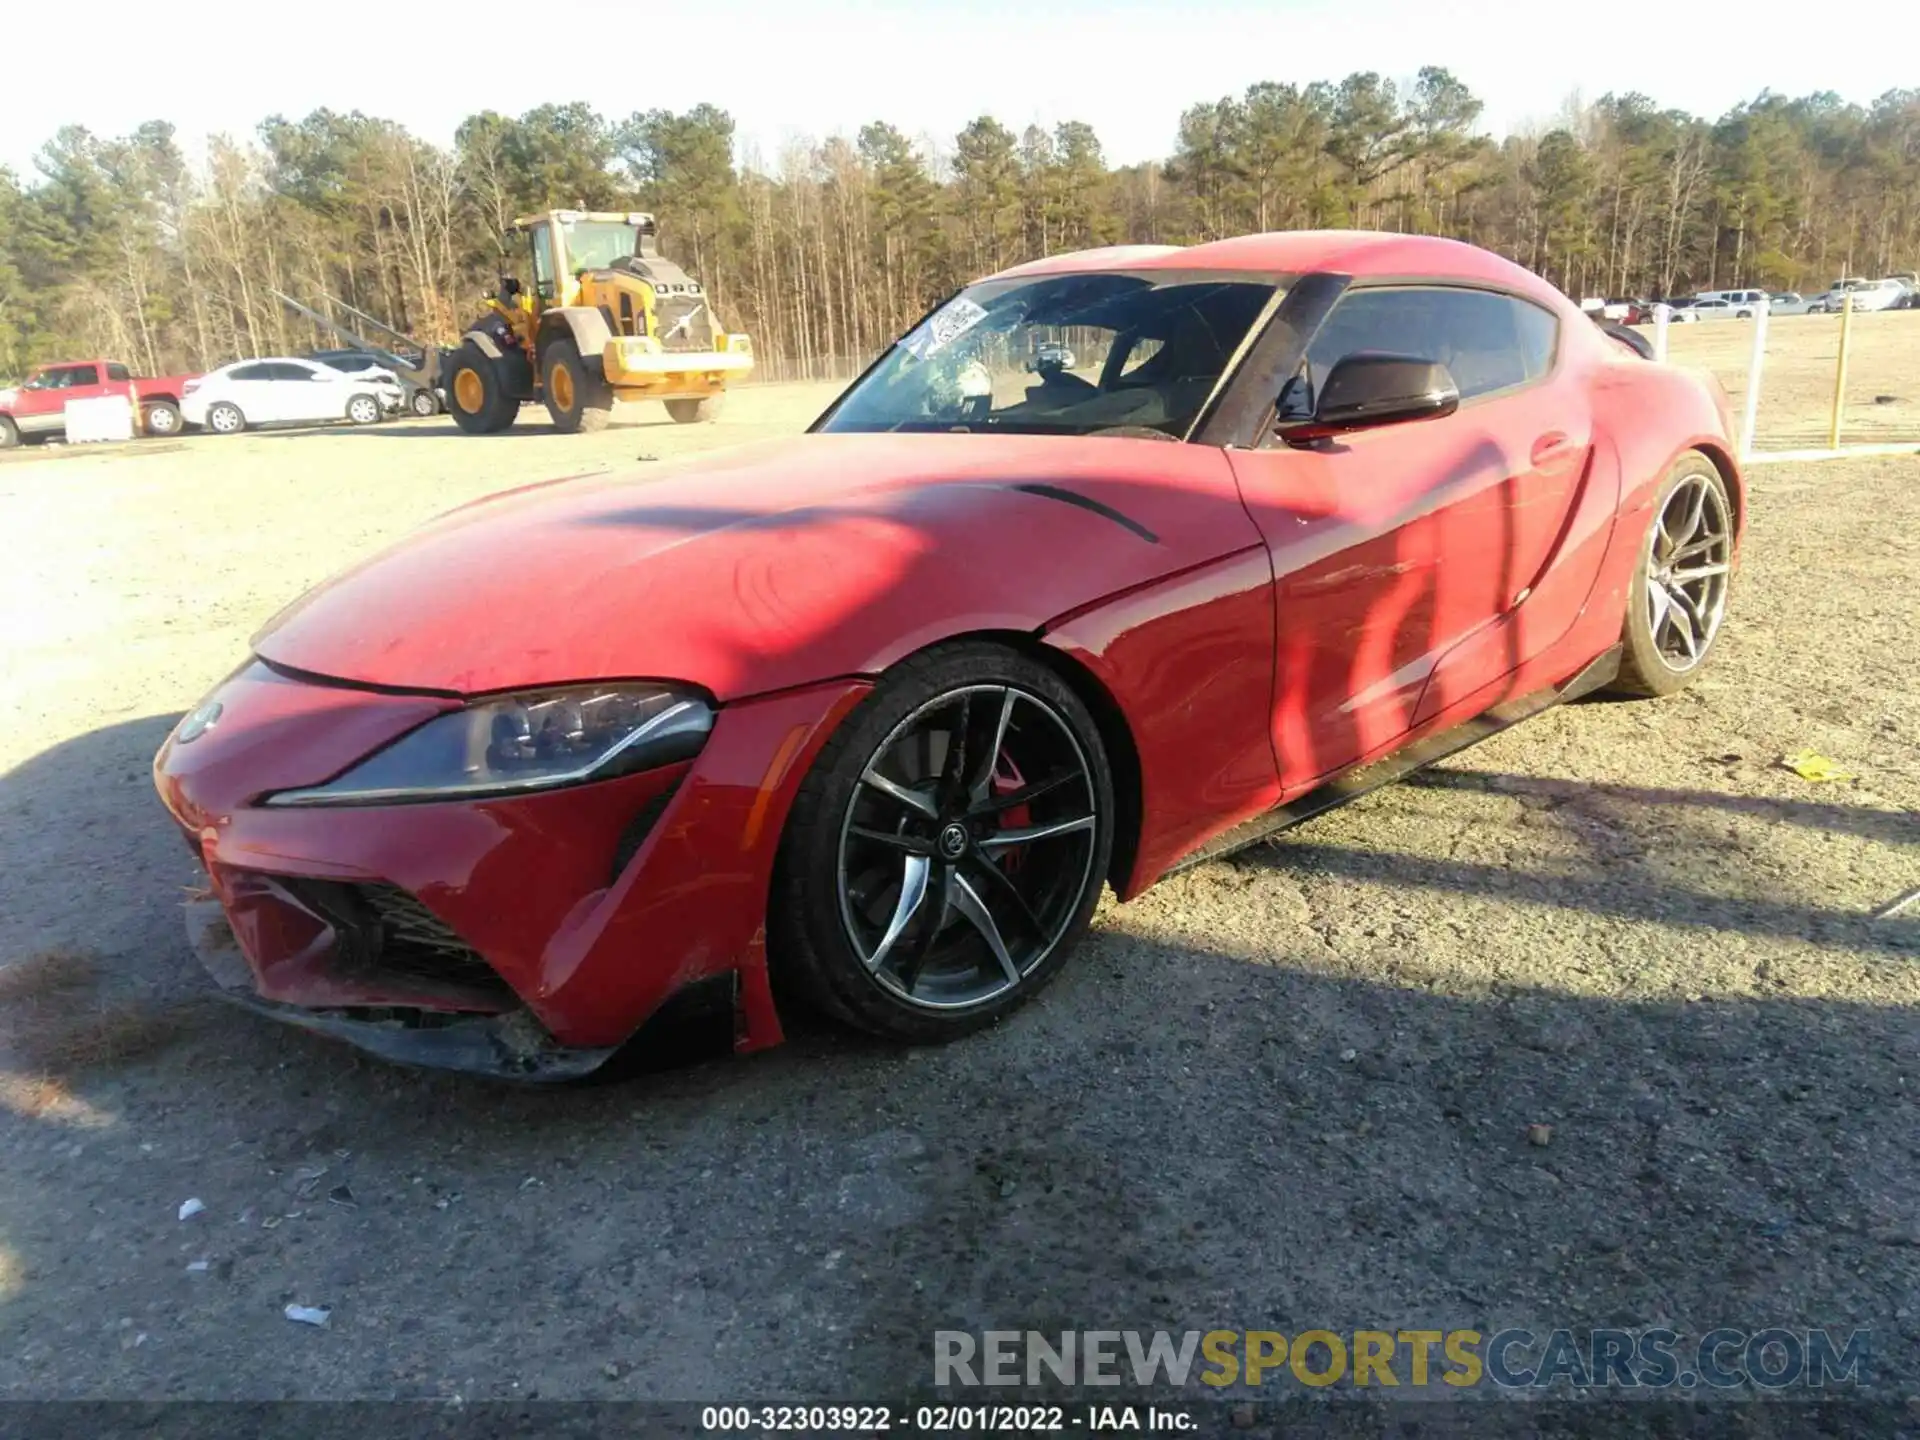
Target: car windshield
pixel 1074 354
pixel 597 244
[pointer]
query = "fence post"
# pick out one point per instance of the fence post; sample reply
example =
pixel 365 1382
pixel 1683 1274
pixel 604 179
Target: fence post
pixel 1840 370
pixel 1754 365
pixel 1662 313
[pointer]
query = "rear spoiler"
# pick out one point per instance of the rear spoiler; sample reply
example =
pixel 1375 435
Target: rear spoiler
pixel 1628 337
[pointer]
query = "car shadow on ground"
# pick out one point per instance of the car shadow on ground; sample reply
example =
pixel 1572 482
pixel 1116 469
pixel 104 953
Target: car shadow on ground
pixel 1184 1133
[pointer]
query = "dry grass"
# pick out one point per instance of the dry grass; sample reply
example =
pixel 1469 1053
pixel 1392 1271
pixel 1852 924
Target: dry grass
pixel 42 977
pixel 55 1024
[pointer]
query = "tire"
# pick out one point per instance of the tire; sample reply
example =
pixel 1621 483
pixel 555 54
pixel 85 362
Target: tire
pixel 478 396
pixel 576 390
pixel 695 412
pixel 9 433
pixel 162 417
pixel 860 953
pixel 1743 315
pixel 364 409
pixel 1655 658
pixel 224 418
pixel 424 403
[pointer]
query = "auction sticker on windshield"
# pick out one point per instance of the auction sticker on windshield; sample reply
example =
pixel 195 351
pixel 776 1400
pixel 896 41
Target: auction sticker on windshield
pixel 944 326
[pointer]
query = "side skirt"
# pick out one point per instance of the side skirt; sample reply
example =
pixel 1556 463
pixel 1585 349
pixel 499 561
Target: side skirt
pixel 1350 785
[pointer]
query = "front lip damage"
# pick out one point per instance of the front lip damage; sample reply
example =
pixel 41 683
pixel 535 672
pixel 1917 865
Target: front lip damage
pixel 511 1046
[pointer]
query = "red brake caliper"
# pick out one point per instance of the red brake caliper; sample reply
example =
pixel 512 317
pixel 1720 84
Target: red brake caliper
pixel 1007 779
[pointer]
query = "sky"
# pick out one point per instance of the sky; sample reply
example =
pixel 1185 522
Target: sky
pixel 792 69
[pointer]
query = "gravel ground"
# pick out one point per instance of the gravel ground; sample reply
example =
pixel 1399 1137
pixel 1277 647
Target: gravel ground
pixel 1284 1091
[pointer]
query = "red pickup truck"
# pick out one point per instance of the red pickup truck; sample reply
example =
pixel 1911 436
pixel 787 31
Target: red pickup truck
pixel 39 407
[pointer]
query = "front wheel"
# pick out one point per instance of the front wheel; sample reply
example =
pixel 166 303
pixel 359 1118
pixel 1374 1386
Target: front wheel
pixel 477 392
pixel 1678 599
pixel 224 418
pixel 695 412
pixel 364 410
pixel 9 433
pixel 424 403
pixel 162 418
pixel 946 851
pixel 578 396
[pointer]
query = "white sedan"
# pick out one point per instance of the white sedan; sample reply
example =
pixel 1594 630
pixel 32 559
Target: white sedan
pixel 282 391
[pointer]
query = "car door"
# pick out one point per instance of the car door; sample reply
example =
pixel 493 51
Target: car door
pixel 250 388
pixel 41 402
pixel 1399 550
pixel 307 392
pixel 84 382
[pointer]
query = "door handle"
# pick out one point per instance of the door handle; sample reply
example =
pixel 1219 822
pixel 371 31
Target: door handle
pixel 1550 447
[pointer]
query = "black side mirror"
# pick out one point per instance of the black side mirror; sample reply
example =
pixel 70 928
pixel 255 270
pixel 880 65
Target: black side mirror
pixel 1367 389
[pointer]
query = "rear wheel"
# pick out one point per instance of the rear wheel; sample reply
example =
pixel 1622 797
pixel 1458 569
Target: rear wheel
pixel 578 396
pixel 695 412
pixel 946 851
pixel 477 393
pixel 363 410
pixel 424 403
pixel 162 418
pixel 1678 599
pixel 224 418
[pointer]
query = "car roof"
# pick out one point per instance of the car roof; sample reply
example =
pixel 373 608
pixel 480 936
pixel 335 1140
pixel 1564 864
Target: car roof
pixel 1363 254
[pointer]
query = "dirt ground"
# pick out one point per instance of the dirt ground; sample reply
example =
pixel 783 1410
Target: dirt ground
pixel 1288 1090
pixel 1882 388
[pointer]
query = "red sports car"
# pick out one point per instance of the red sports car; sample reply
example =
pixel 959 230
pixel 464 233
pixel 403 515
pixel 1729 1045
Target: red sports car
pixel 865 718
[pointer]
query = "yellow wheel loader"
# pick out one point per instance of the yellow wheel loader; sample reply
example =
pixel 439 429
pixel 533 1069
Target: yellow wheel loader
pixel 606 319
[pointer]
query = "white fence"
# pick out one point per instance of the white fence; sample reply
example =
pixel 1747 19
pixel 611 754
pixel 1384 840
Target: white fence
pixel 1827 396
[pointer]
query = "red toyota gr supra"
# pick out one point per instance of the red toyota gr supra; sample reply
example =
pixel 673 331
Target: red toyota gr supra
pixel 1117 561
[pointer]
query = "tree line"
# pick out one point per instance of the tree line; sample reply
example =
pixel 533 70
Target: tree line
pixel 828 249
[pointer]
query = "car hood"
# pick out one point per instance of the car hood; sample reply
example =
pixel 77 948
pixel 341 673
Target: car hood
pixel 766 566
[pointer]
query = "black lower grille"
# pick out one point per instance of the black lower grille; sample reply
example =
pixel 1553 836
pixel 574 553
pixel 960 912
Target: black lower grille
pixel 415 941
pixel 383 927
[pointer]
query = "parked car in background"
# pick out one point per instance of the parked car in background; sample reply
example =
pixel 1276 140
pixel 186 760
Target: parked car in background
pixel 420 399
pixel 1742 303
pixel 1829 301
pixel 1051 356
pixel 1789 302
pixel 1879 295
pixel 38 408
pixel 287 391
pixel 1679 312
pixel 1702 308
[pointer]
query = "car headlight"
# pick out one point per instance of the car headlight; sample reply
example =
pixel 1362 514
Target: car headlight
pixel 540 740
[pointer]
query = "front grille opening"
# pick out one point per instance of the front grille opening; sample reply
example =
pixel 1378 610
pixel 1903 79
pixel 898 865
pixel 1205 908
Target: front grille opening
pixel 384 928
pixel 415 941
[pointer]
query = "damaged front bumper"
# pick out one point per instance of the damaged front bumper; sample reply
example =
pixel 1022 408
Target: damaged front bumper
pixel 512 1045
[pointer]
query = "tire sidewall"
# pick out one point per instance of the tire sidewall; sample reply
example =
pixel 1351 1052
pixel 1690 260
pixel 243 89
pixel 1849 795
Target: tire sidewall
pixel 1645 671
pixel 9 433
pixel 167 413
pixel 357 407
pixel 563 353
pixel 811 945
pixel 490 416
pixel 431 405
pixel 226 407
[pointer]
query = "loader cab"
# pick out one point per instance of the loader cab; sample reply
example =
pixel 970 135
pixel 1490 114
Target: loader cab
pixel 562 243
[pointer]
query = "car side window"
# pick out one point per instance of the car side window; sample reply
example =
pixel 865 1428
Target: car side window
pixel 283 371
pixel 118 372
pixel 251 372
pixel 82 375
pixel 1488 341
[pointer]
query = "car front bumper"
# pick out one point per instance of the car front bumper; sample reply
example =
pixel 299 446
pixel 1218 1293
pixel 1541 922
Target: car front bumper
pixel 524 937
